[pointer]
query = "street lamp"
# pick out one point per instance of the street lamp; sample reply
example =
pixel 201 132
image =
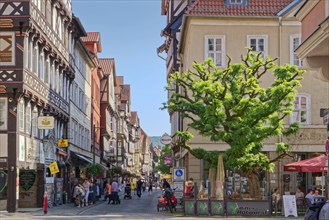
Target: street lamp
pixel 94 142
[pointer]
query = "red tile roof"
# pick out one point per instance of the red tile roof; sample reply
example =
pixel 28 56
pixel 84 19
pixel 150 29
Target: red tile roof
pixel 106 64
pixel 257 8
pixel 91 37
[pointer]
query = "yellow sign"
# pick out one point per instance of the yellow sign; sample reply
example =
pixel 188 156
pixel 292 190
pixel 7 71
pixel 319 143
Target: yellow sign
pixel 53 168
pixel 63 143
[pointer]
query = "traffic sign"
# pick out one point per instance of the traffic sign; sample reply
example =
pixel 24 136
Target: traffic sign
pixel 179 174
pixel 166 139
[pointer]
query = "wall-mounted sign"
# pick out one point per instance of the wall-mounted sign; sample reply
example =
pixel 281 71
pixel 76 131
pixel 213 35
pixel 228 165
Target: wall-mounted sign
pixel 27 179
pixel 53 167
pixel 3 180
pixel 46 122
pixel 63 143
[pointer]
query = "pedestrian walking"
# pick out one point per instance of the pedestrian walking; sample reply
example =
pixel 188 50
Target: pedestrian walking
pixel 150 188
pixel 139 187
pixel 143 186
pixel 86 186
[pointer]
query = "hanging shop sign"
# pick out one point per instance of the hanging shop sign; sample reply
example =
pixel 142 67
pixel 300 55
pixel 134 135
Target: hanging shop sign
pixel 53 167
pixel 63 143
pixel 166 139
pixel 46 122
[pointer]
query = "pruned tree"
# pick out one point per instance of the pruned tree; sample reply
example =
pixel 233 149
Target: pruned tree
pixel 162 167
pixel 233 105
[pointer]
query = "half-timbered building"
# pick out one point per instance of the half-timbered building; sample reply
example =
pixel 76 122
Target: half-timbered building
pixel 109 115
pixel 35 76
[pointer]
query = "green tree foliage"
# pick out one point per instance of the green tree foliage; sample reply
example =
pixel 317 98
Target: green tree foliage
pixel 233 105
pixel 162 168
pixel 94 170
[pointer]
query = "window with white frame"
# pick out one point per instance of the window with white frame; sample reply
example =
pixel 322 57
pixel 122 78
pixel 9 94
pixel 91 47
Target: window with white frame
pixel 258 44
pixel 47 71
pixel 48 11
pixel 215 49
pixel 301 109
pixel 295 41
pixel 57 81
pixel 76 137
pixel 41 66
pixel 35 60
pixel 35 122
pixel 52 76
pixel 26 51
pixel 21 115
pixel 236 1
pixel 28 118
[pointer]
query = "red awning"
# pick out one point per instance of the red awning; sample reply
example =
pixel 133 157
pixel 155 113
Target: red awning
pixel 314 164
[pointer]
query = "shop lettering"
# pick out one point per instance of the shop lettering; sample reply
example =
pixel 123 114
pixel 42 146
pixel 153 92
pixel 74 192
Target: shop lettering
pixel 251 211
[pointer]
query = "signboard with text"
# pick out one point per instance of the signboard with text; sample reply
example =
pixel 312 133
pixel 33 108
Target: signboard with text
pixel 53 167
pixel 63 143
pixel 45 122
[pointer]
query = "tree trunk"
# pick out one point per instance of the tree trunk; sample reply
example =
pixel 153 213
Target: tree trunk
pixel 212 180
pixel 254 187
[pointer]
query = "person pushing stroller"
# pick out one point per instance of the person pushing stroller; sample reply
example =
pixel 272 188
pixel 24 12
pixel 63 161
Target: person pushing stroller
pixel 127 192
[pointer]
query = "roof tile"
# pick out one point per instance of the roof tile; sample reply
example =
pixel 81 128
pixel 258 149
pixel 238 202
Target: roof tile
pixel 257 8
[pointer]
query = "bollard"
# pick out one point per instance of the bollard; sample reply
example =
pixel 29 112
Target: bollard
pixel 45 203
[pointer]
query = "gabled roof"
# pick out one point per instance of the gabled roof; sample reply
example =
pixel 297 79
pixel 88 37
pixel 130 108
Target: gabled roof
pixel 108 66
pixel 133 118
pixel 125 92
pixel 93 37
pixel 254 8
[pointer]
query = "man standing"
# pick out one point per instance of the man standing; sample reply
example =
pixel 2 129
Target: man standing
pixel 115 196
pixel 139 187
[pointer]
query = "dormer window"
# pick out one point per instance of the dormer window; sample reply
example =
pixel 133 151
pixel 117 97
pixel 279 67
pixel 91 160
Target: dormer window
pixel 236 2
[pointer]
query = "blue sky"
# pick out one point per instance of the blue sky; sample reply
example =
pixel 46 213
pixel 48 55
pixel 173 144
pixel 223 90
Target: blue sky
pixel 130 33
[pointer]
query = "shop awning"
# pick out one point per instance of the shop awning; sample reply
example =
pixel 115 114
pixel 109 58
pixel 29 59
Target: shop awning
pixel 81 157
pixel 86 159
pixel 314 164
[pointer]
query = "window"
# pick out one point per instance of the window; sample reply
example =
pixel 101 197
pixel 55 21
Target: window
pixel 35 60
pixel 54 18
pixel 47 71
pixel 21 115
pixel 294 43
pixel 76 127
pixel 3 113
pixel 41 66
pixel 35 122
pixel 57 81
pixel 26 51
pixel 258 44
pixel 52 76
pixel 214 46
pixel 48 11
pixel 236 1
pixel 301 110
pixel 28 118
